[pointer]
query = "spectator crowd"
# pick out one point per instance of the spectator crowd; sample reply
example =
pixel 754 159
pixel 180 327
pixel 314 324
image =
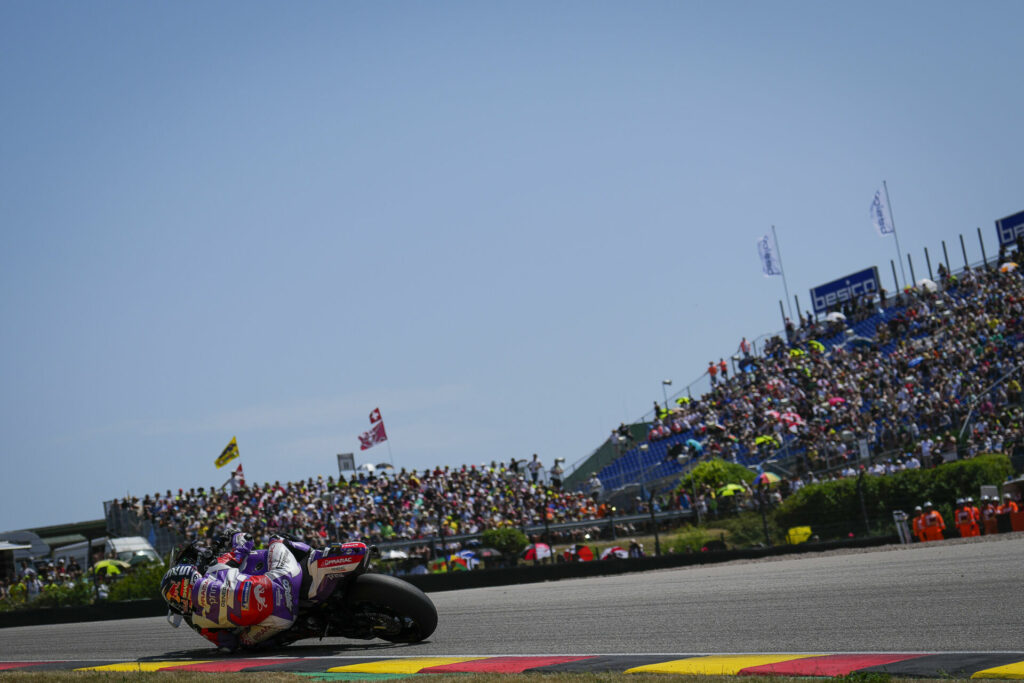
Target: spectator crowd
pixel 943 355
pixel 939 355
pixel 33 581
pixel 374 507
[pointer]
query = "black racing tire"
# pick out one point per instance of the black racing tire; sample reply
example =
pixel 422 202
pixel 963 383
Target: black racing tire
pixel 380 592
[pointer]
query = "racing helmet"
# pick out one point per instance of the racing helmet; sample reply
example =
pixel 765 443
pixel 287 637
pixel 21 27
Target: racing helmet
pixel 176 587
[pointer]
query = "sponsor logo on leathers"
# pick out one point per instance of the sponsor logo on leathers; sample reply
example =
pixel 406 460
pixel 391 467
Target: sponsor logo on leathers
pixel 288 595
pixel 257 594
pixel 352 549
pixel 338 561
pixel 209 595
pixel 182 570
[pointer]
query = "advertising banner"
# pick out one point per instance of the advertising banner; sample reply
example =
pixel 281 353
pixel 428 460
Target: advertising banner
pixel 838 292
pixel 346 462
pixel 1008 228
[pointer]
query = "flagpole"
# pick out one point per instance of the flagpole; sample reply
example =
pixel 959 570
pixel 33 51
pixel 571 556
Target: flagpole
pixel 888 205
pixel 785 287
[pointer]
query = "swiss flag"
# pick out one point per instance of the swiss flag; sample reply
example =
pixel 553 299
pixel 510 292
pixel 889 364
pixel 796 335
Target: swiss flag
pixel 372 437
pixel 375 415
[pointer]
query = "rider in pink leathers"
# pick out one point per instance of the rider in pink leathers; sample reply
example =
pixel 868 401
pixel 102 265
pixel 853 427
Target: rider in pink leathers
pixel 239 600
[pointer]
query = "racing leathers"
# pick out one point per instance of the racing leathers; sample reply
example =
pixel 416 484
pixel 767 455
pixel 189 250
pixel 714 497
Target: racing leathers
pixel 246 597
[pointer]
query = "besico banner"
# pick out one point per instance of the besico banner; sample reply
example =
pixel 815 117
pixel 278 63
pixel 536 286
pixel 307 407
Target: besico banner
pixel 1008 228
pixel 838 292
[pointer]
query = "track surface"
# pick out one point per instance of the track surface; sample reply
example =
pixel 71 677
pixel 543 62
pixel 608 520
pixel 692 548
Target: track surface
pixel 948 597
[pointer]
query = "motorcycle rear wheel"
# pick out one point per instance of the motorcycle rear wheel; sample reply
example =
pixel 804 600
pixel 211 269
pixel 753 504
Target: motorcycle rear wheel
pixel 402 603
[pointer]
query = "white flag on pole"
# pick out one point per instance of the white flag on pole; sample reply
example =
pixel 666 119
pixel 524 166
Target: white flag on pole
pixel 770 264
pixel 881 216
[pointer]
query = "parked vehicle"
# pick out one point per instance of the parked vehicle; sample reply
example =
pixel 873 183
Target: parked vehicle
pixel 130 549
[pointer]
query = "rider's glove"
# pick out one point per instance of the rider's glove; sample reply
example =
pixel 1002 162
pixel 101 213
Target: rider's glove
pixel 235 548
pixel 240 539
pixel 226 537
pixel 204 558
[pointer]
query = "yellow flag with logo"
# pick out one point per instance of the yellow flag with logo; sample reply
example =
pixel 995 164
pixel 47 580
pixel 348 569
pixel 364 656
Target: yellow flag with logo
pixel 229 453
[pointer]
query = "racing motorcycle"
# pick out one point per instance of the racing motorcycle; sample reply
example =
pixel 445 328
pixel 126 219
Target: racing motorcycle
pixel 339 596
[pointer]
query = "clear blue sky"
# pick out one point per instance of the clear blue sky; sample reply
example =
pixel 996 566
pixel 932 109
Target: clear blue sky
pixel 502 223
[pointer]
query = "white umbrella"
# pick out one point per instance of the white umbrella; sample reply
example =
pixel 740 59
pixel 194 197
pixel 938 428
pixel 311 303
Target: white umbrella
pixel 927 285
pixel 614 552
pixel 835 317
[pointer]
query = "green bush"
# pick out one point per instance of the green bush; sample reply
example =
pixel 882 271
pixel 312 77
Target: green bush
pixel 833 509
pixel 509 541
pixel 139 583
pixel 746 529
pixel 52 595
pixel 690 540
pixel 715 473
pixel 55 595
pixel 9 605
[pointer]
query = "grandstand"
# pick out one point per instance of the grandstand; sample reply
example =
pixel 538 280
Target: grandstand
pixel 649 461
pixel 658 463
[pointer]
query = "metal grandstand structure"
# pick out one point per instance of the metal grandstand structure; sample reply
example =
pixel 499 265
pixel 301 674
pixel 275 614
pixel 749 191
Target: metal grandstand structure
pixel 648 463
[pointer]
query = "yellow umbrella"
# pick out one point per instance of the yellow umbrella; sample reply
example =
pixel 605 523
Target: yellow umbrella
pixel 816 345
pixel 730 490
pixel 109 567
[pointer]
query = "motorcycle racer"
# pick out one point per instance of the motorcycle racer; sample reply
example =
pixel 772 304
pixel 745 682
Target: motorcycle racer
pixel 231 608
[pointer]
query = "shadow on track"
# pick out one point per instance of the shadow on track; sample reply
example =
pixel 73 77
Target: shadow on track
pixel 320 650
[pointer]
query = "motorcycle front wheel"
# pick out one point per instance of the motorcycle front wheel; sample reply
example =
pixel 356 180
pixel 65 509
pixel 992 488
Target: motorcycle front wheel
pixel 399 611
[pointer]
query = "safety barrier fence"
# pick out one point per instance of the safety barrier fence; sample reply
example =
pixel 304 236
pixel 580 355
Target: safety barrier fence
pixel 522 573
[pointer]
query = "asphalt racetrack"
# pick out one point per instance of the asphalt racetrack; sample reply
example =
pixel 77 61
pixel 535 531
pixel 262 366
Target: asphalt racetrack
pixel 952 596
